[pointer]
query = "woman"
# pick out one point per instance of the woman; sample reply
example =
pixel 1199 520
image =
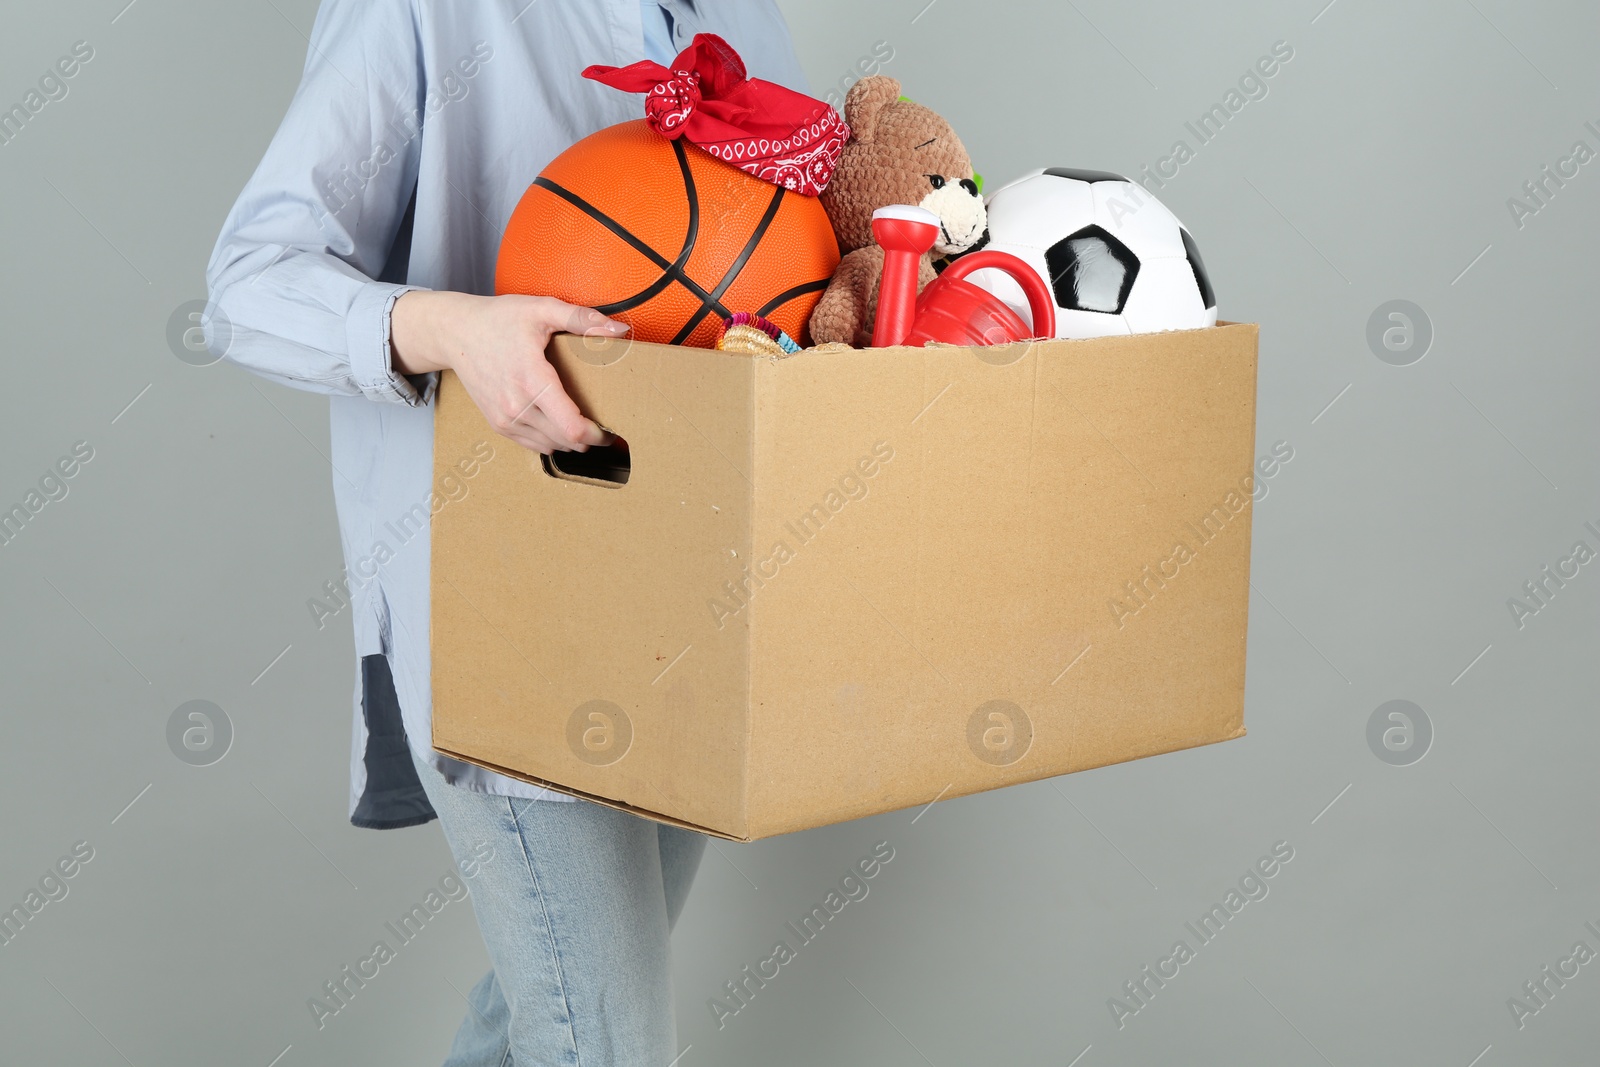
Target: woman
pixel 358 262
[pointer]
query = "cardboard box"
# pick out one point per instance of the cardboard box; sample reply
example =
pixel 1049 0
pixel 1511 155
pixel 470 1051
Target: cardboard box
pixel 847 582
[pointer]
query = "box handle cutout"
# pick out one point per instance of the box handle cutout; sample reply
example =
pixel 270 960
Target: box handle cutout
pixel 603 465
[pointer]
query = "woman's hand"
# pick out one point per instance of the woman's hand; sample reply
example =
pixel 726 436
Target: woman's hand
pixel 496 346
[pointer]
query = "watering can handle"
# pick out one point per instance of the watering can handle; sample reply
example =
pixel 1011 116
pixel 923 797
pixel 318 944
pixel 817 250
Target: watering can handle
pixel 1041 302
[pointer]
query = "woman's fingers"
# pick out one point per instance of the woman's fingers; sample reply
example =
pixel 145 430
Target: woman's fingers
pixel 562 317
pixel 531 440
pixel 540 422
pixel 501 360
pixel 553 413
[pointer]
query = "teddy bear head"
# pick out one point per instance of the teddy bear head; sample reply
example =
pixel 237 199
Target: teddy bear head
pixel 900 152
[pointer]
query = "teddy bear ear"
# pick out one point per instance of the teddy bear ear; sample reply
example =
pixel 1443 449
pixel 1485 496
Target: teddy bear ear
pixel 866 99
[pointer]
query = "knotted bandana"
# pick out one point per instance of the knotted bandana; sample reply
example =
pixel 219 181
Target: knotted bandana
pixel 764 129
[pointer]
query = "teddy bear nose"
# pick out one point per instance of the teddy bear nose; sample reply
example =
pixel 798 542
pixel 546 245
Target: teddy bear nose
pixel 970 186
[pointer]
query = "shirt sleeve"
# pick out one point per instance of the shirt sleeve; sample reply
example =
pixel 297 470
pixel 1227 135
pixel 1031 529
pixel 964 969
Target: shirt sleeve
pixel 291 280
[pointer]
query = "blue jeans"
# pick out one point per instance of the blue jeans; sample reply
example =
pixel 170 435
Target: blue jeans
pixel 575 902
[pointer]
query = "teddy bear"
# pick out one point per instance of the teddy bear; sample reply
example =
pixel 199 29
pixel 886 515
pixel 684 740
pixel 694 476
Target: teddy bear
pixel 899 152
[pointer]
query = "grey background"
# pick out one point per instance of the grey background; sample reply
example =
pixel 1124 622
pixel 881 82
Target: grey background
pixel 1377 168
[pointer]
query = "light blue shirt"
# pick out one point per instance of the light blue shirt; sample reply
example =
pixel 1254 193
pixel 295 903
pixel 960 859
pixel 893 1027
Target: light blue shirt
pixel 464 101
pixel 663 31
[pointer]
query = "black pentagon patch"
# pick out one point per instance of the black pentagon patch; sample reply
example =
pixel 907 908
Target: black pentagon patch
pixel 1201 278
pixel 1091 271
pixel 1085 175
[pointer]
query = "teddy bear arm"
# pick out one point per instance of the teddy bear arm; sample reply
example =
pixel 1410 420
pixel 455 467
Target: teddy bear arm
pixel 844 314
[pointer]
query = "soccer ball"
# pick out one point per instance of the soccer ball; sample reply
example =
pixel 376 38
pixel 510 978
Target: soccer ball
pixel 1116 259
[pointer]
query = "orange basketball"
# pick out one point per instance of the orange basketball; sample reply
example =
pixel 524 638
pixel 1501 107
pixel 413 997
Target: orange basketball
pixel 662 235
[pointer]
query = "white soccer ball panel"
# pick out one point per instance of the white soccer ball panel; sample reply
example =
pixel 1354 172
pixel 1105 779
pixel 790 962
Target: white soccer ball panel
pixel 1081 325
pixel 1166 297
pixel 1137 219
pixel 1037 212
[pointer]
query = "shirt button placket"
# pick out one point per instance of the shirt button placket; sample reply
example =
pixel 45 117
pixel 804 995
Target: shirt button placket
pixel 682 32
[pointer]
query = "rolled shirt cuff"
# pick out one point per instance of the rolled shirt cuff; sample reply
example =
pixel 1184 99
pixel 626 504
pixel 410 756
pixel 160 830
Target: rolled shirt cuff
pixel 371 357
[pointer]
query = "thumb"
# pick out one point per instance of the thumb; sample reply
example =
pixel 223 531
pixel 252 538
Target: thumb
pixel 571 318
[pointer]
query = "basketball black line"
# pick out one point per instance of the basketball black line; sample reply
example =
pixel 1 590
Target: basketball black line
pixel 688 327
pixel 605 220
pixel 750 245
pixel 737 266
pixel 675 271
pixel 641 297
pixel 707 306
pixel 693 196
pixel 789 294
pixel 672 272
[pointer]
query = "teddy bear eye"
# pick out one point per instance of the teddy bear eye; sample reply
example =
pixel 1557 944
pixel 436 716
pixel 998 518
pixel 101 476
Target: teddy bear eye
pixel 936 180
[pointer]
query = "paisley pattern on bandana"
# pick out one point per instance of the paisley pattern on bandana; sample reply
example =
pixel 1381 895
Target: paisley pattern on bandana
pixel 776 134
pixel 668 105
pixel 803 163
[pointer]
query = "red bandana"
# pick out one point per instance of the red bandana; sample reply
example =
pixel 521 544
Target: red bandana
pixel 774 133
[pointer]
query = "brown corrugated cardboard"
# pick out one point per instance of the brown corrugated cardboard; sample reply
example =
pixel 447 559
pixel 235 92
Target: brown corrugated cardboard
pixel 847 582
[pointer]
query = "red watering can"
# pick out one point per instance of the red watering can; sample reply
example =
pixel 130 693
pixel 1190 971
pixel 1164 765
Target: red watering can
pixel 950 309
